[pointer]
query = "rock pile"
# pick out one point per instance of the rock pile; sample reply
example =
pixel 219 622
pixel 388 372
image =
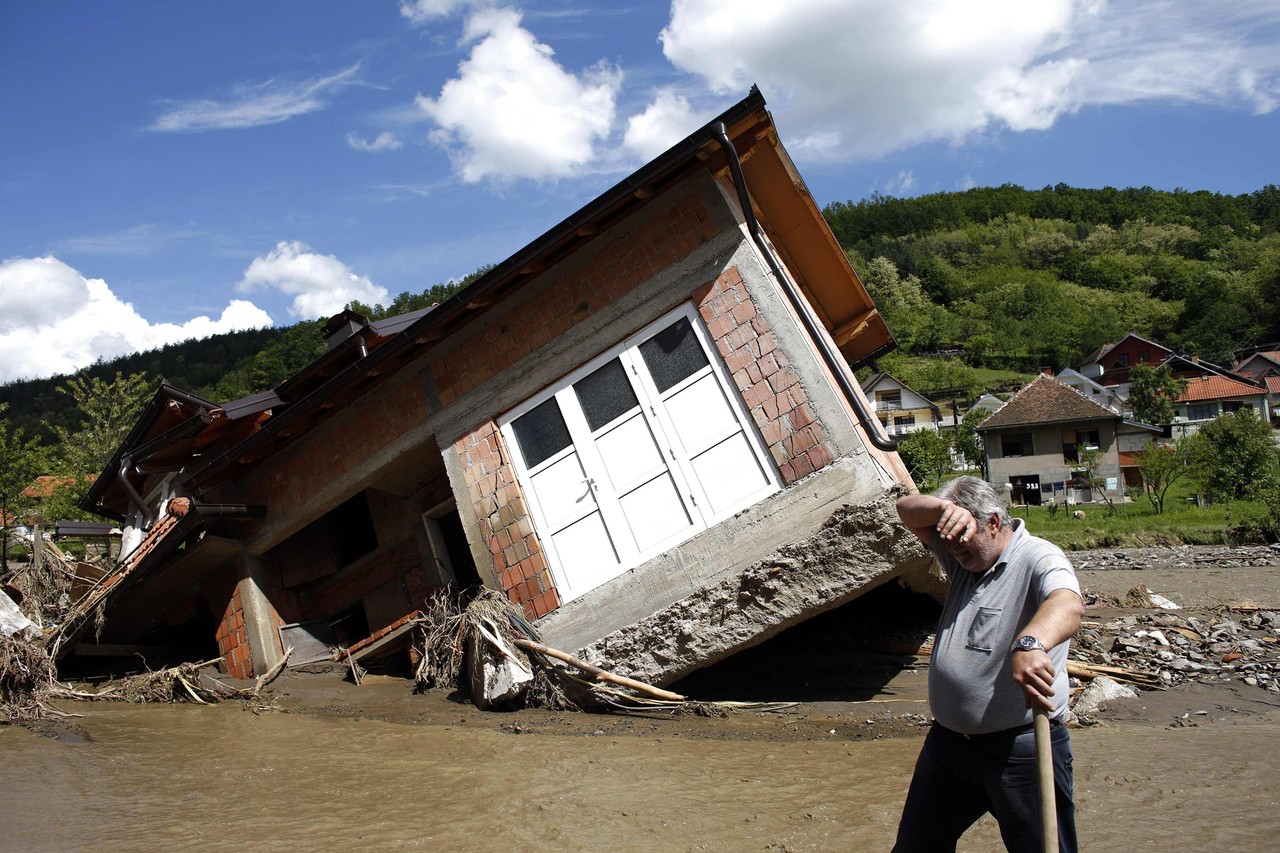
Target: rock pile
pixel 1182 556
pixel 1172 647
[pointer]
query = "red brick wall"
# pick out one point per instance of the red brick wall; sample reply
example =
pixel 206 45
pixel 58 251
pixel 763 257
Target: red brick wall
pixel 619 267
pixel 505 525
pixel 768 384
pixel 233 643
pixel 349 587
pixel 223 595
pixel 769 387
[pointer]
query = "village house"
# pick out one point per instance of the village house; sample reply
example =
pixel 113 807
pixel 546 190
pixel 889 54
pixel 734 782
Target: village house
pixel 1034 442
pixel 1207 397
pixel 1263 367
pixel 1090 388
pixel 898 408
pixel 618 428
pixel 1109 366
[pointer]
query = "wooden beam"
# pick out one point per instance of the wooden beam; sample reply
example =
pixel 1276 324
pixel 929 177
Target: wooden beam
pixel 854 327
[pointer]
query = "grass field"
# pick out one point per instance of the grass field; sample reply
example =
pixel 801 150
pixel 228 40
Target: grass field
pixel 1137 524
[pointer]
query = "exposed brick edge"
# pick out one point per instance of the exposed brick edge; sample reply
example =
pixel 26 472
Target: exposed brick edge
pixel 764 377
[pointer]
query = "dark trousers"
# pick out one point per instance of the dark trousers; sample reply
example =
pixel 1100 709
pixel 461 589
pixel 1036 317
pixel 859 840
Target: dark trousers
pixel 958 779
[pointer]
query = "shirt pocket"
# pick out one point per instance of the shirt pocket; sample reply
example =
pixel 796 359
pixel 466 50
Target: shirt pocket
pixel 983 631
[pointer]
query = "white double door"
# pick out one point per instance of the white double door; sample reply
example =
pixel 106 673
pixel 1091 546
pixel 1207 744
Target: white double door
pixel 639 449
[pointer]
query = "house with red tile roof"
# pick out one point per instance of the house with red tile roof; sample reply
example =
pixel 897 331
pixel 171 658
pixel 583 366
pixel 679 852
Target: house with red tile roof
pixel 1034 443
pixel 1259 364
pixel 1207 397
pixel 1264 367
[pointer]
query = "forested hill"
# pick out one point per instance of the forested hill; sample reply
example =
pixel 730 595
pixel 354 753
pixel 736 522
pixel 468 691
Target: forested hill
pixel 1015 278
pixel 1003 277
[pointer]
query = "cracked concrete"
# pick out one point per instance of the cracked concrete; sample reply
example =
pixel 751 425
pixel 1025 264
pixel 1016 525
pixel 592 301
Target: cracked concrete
pixel 857 549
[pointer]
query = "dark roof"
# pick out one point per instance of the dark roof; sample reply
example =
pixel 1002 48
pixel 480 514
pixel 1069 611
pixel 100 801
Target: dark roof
pixel 1047 401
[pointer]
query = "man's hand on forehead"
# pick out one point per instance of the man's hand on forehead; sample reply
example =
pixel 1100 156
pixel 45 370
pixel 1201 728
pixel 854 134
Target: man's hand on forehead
pixel 957 523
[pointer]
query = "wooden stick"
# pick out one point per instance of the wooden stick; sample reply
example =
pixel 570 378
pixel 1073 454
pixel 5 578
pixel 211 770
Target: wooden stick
pixel 193 693
pixel 599 674
pixel 267 677
pixel 1048 799
pixel 355 671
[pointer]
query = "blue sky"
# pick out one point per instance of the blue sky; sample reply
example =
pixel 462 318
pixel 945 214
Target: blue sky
pixel 172 170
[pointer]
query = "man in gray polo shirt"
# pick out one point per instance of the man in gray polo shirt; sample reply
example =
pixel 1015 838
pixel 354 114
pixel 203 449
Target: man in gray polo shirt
pixel 1012 606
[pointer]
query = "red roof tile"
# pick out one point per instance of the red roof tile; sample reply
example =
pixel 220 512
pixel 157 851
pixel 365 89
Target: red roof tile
pixel 1047 401
pixel 1217 388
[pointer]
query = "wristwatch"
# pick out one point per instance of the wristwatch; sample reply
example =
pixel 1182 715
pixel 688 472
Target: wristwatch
pixel 1026 644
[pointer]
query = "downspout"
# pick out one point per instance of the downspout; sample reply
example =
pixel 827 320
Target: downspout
pixel 834 360
pixel 148 517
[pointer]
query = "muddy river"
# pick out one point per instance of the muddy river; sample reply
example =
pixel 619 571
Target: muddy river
pixel 329 766
pixel 226 778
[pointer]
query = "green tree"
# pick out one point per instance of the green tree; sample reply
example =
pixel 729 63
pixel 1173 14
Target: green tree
pixel 968 442
pixel 1162 465
pixel 1236 457
pixel 1091 464
pixel 1152 392
pixel 22 459
pixel 108 410
pixel 927 456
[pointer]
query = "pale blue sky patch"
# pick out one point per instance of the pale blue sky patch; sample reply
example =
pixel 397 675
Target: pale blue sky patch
pixel 190 168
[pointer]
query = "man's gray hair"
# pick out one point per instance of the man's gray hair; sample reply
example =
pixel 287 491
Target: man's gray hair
pixel 977 496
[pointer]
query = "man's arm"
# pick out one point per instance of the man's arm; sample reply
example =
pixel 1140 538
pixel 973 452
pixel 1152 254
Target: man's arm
pixel 923 514
pixel 1056 620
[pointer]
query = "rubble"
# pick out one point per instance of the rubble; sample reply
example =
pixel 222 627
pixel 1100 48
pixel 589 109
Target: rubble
pixel 1099 692
pixel 1226 644
pixel 1181 556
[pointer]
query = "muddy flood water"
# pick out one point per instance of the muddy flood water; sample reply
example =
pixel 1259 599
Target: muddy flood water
pixel 329 766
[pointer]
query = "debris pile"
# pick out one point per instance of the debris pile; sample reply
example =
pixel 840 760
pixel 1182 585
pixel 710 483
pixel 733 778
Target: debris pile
pixel 1168 647
pixel 490 651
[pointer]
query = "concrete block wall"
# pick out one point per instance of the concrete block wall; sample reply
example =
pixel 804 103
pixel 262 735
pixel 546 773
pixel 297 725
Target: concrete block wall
pixel 506 528
pixel 768 385
pixel 289 479
pixel 351 584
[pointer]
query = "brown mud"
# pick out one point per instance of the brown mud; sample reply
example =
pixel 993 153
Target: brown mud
pixel 326 765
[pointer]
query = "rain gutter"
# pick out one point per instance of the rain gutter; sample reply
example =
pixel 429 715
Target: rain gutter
pixel 835 362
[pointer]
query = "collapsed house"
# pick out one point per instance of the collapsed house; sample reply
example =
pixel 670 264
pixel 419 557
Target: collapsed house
pixel 642 428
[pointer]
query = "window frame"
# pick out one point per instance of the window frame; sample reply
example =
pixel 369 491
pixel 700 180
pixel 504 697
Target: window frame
pixel 651 401
pixel 1008 436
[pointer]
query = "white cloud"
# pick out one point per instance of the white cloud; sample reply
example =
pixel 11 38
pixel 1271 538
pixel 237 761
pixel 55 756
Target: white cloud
pixel 255 105
pixel 386 141
pixel 900 185
pixel 421 12
pixel 664 122
pixel 1164 50
pixel 513 111
pixel 54 320
pixel 321 285
pixel 861 78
